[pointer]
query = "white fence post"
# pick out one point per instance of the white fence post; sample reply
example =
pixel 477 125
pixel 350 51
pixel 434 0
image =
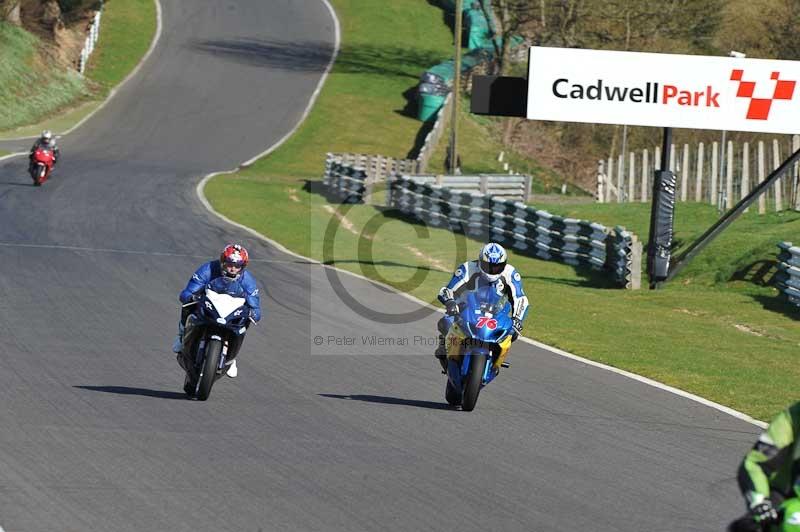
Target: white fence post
pixel 729 177
pixel 90 42
pixel 685 172
pixel 795 175
pixel 620 169
pixel 712 199
pixel 745 171
pixel 698 188
pixel 672 161
pixel 609 178
pixel 776 162
pixel 645 180
pixel 601 197
pixel 762 199
pixel 631 177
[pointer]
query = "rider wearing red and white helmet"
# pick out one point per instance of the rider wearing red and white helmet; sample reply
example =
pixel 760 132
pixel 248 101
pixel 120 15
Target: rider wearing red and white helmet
pixel 231 265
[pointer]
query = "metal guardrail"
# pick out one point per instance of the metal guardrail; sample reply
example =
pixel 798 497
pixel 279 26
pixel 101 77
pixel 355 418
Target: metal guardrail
pixel 516 187
pixel 91 40
pixel 523 228
pixel 375 166
pixel 788 276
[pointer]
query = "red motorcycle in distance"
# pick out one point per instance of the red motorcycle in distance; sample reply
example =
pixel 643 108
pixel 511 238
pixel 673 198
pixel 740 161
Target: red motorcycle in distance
pixel 41 165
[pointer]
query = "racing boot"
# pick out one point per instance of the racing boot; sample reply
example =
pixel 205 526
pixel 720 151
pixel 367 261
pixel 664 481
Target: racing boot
pixel 233 371
pixel 177 345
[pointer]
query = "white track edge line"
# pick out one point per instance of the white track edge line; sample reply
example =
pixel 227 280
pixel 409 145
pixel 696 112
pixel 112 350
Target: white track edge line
pixel 114 91
pixel 650 382
pixel 314 96
pixel 9 156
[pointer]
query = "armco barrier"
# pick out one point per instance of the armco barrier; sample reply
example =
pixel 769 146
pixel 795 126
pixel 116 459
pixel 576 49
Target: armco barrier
pixel 376 166
pixel 516 187
pixel 788 276
pixel 523 228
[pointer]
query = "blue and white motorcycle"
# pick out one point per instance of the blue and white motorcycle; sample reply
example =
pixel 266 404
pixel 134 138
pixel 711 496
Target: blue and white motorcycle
pixel 477 344
pixel 221 316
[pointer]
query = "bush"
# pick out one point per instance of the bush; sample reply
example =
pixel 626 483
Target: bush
pixel 74 9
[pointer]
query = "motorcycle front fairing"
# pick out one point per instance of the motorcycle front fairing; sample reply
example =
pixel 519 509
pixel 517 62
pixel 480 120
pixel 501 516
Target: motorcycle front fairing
pixel 221 311
pixel 483 327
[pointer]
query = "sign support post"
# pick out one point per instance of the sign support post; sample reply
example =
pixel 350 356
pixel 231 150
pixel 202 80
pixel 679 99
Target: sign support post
pixel 661 216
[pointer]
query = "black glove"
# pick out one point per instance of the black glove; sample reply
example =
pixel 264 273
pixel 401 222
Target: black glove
pixel 764 513
pixel 451 307
pixel 517 324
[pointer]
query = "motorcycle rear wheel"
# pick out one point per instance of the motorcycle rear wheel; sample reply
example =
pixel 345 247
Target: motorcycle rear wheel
pixel 209 373
pixel 472 386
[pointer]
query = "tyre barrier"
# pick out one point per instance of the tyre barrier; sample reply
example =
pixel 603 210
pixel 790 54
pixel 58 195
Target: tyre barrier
pixel 523 228
pixel 788 277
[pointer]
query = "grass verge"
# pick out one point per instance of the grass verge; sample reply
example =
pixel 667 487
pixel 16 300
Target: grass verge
pixel 725 338
pixel 127 30
pixel 65 98
pixel 28 89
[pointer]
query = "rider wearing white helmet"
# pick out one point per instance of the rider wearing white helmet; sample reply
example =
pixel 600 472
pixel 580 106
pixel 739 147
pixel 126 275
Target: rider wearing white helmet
pixel 47 141
pixel 490 267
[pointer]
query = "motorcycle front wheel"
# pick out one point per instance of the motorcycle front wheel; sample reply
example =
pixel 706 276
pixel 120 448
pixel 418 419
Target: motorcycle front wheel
pixel 209 371
pixel 452 395
pixel 472 385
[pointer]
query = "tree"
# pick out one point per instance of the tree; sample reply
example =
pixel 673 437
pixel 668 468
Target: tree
pixel 10 12
pixel 511 17
pixel 761 28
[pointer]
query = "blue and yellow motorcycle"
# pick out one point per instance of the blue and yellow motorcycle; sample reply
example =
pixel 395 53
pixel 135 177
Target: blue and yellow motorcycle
pixel 477 343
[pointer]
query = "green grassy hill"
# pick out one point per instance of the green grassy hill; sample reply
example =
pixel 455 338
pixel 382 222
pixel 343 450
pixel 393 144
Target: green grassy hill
pixel 29 88
pixel 38 94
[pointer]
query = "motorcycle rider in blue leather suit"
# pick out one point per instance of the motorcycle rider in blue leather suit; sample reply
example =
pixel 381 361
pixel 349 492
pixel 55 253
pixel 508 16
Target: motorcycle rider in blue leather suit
pixel 231 265
pixel 490 267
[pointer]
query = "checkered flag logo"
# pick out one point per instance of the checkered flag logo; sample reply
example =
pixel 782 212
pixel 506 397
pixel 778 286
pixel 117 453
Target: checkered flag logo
pixel 759 107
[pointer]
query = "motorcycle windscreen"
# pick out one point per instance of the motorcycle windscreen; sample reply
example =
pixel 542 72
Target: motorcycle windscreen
pixel 224 304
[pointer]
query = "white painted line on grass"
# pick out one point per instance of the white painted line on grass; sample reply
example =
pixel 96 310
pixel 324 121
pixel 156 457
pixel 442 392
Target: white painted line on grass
pixel 201 186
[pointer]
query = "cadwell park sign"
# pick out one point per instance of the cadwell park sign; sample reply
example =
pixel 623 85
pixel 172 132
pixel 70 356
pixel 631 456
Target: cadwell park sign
pixel 659 90
pixel 663 90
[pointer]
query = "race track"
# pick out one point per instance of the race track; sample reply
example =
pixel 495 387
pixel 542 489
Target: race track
pixel 96 433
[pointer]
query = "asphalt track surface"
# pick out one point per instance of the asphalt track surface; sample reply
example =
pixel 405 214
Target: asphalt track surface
pixel 96 433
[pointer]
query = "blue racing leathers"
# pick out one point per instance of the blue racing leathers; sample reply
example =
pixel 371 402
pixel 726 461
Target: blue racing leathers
pixel 210 271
